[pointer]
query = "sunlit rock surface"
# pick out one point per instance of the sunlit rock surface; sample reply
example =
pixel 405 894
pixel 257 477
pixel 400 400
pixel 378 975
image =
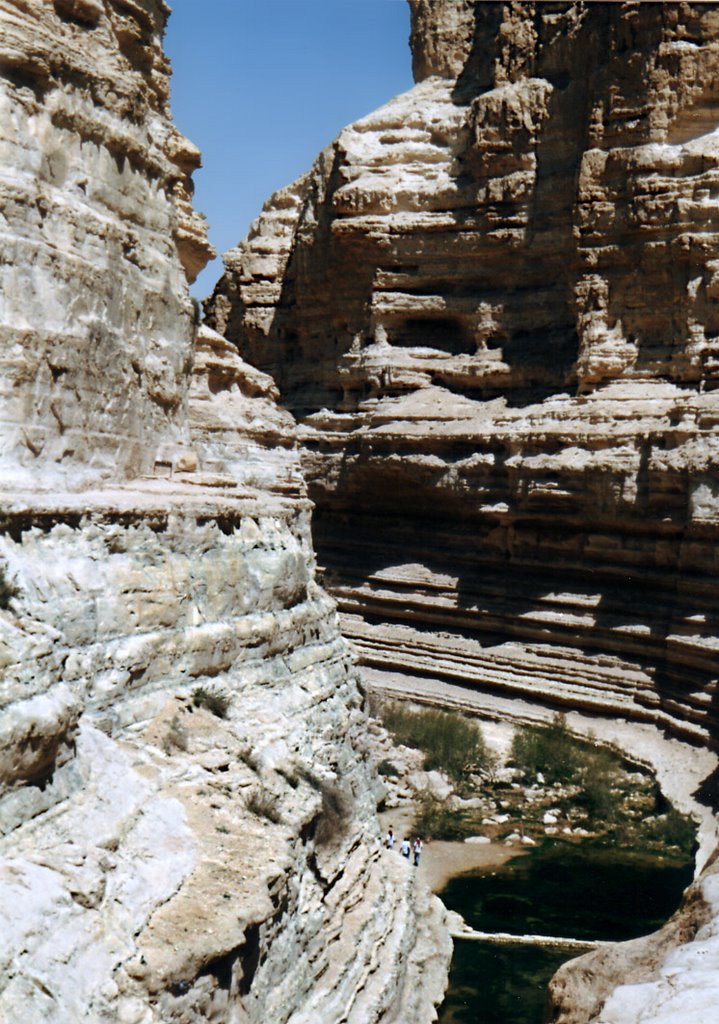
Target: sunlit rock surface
pixel 163 857
pixel 492 306
pixel 97 233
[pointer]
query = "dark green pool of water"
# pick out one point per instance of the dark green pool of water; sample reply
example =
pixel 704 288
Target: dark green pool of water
pixel 498 984
pixel 582 892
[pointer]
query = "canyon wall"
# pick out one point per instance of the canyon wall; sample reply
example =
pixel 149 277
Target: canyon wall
pixel 492 306
pixel 187 818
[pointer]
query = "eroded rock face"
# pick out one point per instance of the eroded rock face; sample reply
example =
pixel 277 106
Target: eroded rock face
pixel 491 305
pixel 187 819
pixel 441 37
pixel 97 324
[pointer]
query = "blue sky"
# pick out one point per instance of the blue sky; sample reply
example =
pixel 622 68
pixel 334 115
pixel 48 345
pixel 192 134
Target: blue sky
pixel 261 86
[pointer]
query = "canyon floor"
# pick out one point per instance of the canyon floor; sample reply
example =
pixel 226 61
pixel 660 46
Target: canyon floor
pixel 442 859
pixel 680 769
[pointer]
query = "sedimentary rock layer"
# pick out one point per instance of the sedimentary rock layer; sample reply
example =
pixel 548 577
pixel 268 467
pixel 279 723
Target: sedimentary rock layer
pixel 492 305
pixel 187 820
pixel 96 239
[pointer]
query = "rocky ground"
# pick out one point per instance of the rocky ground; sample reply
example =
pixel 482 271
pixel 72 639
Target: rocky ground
pixel 502 805
pixel 680 769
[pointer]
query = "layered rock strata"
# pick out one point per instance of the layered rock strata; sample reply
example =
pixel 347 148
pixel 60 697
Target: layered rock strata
pixel 187 820
pixel 97 235
pixel 491 304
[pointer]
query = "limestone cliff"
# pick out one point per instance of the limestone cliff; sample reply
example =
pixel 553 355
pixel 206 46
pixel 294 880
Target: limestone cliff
pixel 186 816
pixel 98 231
pixel 492 305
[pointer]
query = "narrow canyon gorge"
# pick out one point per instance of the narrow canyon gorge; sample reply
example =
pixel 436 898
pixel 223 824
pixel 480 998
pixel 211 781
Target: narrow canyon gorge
pixel 492 307
pixel 164 856
pixel 446 428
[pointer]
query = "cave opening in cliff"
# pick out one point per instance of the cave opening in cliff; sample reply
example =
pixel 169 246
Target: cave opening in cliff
pixel 443 334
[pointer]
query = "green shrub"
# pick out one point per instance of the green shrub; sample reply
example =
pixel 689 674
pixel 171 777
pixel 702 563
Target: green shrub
pixel 214 701
pixel 598 796
pixel 263 804
pixel 449 742
pixel 549 749
pixel 561 758
pixel 673 829
pixel 388 769
pixel 8 588
pixel 435 819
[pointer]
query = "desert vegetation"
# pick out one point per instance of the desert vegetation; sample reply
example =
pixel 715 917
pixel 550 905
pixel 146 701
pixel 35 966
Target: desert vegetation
pixel 263 804
pixel 552 751
pixel 553 784
pixel 335 814
pixel 336 807
pixel 450 743
pixel 214 701
pixel 618 801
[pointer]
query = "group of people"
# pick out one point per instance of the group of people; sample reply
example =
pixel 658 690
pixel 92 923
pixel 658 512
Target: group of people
pixel 405 847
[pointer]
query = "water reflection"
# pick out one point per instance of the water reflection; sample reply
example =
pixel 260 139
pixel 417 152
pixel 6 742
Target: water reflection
pixel 499 984
pixel 582 892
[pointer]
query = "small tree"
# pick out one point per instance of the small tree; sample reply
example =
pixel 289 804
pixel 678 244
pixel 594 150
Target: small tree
pixel 547 749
